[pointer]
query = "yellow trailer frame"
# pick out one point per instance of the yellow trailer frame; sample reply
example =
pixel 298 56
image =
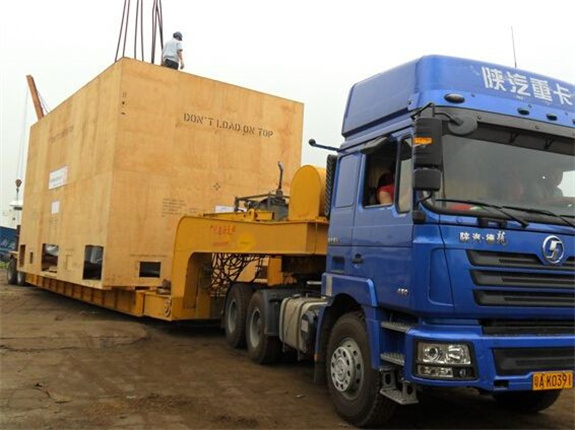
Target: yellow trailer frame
pixel 296 245
pixel 197 239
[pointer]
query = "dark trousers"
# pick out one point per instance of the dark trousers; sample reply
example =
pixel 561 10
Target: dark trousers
pixel 171 64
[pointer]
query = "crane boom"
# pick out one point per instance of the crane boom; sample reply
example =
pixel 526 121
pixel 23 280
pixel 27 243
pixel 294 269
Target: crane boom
pixel 35 97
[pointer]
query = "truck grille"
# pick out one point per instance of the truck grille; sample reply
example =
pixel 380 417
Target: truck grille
pixel 513 279
pixel 514 261
pixel 520 298
pixel 498 327
pixel 524 280
pixel 520 361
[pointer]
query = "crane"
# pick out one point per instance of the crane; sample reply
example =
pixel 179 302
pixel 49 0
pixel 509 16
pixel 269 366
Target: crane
pixel 38 105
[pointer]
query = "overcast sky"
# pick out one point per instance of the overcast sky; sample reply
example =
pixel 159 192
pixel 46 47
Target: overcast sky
pixel 311 51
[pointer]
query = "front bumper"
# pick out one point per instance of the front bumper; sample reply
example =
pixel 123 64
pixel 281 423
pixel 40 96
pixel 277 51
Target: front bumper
pixel 501 362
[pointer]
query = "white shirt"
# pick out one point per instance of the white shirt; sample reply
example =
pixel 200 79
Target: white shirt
pixel 171 48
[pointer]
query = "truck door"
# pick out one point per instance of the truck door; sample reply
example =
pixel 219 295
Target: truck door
pixel 382 231
pixel 342 213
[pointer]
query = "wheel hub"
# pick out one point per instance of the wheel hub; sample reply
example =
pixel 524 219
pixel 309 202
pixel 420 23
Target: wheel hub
pixel 346 366
pixel 232 316
pixel 255 329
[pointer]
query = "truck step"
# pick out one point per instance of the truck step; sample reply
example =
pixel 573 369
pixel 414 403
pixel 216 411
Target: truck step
pixel 403 397
pixel 403 392
pixel 397 326
pixel 393 357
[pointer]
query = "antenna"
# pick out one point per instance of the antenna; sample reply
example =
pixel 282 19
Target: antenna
pixel 513 43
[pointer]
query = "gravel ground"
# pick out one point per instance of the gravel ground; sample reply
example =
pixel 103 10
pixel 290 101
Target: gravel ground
pixel 68 365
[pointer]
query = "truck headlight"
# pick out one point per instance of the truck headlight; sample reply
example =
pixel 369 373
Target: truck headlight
pixel 444 361
pixel 443 353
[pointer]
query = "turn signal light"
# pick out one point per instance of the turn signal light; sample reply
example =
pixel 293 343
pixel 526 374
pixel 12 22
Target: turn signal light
pixel 422 140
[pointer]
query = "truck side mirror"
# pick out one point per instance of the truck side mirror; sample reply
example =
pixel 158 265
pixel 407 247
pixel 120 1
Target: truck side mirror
pixel 427 154
pixel 426 180
pixel 427 147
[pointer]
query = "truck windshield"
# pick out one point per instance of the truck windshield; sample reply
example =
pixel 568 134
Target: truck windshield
pixel 510 170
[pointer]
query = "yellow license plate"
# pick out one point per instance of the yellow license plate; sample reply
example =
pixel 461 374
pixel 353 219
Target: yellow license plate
pixel 552 380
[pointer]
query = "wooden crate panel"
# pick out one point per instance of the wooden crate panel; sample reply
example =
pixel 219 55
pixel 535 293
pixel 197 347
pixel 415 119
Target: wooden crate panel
pixel 122 160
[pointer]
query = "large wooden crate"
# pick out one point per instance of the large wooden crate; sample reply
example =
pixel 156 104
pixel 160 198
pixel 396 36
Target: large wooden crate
pixel 112 169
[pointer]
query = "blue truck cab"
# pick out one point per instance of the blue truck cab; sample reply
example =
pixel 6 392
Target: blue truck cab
pixel 451 249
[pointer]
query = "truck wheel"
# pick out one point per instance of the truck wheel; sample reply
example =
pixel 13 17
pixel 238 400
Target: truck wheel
pixel 526 402
pixel 262 349
pixel 20 278
pixel 11 272
pixel 353 384
pixel 235 315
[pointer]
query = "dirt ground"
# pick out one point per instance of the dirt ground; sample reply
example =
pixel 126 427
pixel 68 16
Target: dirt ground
pixel 68 365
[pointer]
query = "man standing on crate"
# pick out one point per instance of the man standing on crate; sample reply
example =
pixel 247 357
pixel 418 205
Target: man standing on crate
pixel 172 53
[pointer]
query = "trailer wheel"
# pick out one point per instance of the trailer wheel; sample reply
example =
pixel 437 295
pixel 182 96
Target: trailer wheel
pixel 526 402
pixel 262 349
pixel 235 314
pixel 353 384
pixel 11 272
pixel 20 278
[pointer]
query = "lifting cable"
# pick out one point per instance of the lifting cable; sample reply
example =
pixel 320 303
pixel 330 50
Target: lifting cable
pixel 140 15
pixel 21 148
pixel 125 17
pixel 157 27
pixel 136 30
pixel 45 106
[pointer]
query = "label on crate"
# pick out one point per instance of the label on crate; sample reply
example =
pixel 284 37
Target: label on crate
pixel 244 129
pixel 58 178
pixel 55 207
pixel 222 209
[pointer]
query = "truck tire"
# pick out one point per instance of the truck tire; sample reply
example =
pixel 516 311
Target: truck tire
pixel 20 278
pixel 235 315
pixel 526 402
pixel 262 349
pixel 11 272
pixel 353 384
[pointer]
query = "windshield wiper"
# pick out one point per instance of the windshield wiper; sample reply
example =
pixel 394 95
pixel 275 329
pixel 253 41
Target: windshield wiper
pixel 487 205
pixel 543 212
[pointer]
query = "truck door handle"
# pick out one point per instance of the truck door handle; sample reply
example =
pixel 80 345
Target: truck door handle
pixel 357 259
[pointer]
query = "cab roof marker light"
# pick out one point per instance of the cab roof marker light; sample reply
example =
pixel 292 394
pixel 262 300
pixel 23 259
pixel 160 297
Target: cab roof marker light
pixel 454 98
pixel 523 111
